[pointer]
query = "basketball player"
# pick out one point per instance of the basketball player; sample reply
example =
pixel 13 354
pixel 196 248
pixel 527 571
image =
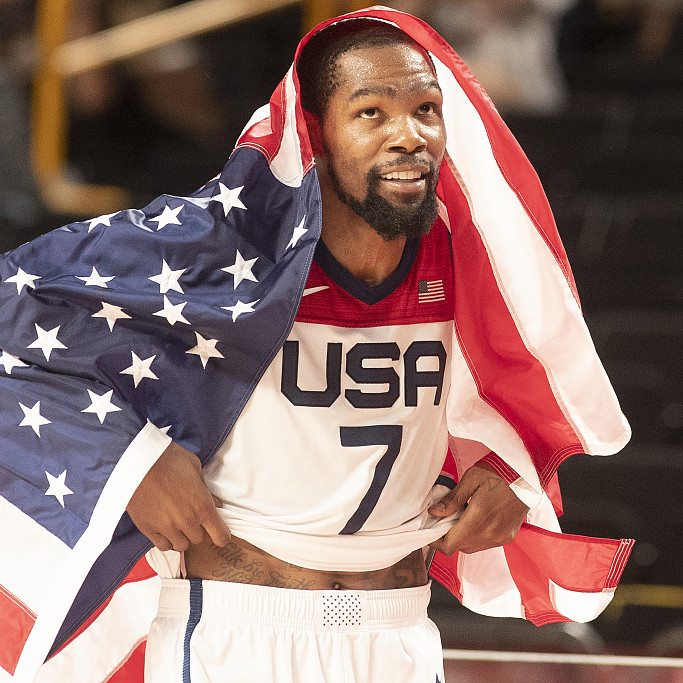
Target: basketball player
pixel 331 495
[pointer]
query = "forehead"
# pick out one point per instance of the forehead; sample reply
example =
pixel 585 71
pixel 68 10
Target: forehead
pixel 384 70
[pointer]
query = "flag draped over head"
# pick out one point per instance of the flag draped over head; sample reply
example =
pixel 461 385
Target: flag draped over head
pixel 128 330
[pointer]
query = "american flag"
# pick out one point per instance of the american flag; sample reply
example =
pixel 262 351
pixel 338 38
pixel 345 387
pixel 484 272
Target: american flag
pixel 117 329
pixel 430 290
pixel 121 327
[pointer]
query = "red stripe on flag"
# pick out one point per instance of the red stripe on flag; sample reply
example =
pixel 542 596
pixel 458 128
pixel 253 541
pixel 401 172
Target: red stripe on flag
pixel 444 569
pixel 542 618
pixel 502 468
pixel 133 669
pixel 508 377
pixel 619 562
pixel 16 623
pixel 141 571
pixel 575 563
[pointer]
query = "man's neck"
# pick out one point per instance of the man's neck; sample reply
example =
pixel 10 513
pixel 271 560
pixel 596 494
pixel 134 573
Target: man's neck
pixel 356 246
pixel 365 254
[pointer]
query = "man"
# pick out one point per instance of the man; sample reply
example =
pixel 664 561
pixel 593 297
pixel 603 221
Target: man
pixel 307 538
pixel 380 138
pixel 375 119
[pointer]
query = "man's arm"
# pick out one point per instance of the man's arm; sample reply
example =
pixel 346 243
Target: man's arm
pixel 491 513
pixel 172 505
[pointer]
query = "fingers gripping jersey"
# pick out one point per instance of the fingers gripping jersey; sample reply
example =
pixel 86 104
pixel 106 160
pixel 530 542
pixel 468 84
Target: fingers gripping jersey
pixel 334 460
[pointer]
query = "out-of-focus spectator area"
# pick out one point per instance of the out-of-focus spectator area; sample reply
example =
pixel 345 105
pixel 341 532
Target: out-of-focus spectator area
pixel 593 90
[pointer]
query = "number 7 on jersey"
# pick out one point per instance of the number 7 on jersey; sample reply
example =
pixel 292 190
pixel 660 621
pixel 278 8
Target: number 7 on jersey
pixel 372 435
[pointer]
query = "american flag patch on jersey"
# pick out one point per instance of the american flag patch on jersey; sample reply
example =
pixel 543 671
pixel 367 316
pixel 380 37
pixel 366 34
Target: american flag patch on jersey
pixel 430 290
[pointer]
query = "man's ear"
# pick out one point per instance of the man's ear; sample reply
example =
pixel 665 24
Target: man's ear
pixel 314 132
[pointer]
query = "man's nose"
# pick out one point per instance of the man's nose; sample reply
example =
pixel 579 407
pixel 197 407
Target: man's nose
pixel 405 136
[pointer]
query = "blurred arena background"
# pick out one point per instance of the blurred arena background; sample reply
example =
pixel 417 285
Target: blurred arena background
pixel 92 120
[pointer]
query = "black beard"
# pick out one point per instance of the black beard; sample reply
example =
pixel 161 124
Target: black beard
pixel 386 219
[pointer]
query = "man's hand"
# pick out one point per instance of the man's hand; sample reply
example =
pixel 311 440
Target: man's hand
pixel 492 513
pixel 172 505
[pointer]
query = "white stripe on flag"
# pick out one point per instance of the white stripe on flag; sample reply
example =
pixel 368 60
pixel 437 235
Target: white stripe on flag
pixel 123 624
pixel 142 452
pixel 484 419
pixel 287 166
pixel 547 315
pixel 578 605
pixel 487 585
pixel 35 552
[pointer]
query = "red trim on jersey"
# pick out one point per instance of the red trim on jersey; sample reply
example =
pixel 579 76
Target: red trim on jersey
pixel 335 306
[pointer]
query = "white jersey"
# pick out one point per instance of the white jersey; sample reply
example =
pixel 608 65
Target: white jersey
pixel 333 462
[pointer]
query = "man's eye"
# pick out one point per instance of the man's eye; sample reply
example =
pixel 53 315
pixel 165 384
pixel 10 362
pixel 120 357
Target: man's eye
pixel 369 113
pixel 427 108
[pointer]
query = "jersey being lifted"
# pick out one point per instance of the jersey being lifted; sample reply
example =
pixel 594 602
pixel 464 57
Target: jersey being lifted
pixel 336 456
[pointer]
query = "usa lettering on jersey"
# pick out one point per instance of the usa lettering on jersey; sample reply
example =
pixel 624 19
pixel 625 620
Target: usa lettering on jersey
pixel 362 375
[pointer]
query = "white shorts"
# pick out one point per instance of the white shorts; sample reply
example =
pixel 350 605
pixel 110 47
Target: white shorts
pixel 219 632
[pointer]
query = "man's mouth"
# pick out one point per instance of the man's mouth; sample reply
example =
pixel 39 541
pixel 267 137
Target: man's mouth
pixel 403 175
pixel 404 183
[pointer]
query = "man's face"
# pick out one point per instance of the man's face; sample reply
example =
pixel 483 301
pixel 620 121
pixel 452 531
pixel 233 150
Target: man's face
pixel 384 138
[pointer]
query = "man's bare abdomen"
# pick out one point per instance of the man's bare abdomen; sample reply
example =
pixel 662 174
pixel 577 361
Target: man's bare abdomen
pixel 241 562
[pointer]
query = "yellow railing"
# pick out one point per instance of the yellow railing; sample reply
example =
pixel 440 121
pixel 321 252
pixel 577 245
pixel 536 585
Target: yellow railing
pixel 319 10
pixel 49 126
pixel 60 59
pixel 644 595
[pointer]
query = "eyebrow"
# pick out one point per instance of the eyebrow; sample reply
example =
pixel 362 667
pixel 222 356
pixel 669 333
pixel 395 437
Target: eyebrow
pixel 387 91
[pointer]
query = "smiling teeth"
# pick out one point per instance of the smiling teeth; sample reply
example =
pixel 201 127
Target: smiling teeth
pixel 402 175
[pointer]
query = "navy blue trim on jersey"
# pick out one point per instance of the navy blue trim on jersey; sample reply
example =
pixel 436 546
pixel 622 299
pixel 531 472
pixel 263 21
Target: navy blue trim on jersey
pixel 444 481
pixel 196 599
pixel 358 289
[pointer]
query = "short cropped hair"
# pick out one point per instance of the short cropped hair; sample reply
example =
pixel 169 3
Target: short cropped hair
pixel 318 62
